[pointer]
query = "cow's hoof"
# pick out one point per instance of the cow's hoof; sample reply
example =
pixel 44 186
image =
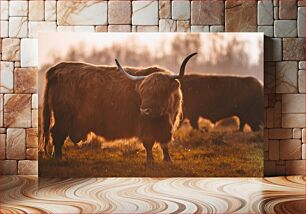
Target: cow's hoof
pixel 167 160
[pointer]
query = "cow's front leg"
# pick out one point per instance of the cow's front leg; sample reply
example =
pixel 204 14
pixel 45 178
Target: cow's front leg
pixel 148 146
pixel 164 146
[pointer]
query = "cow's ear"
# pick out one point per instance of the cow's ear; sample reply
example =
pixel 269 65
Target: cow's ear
pixel 175 85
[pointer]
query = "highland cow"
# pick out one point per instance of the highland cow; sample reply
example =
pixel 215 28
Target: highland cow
pixel 112 103
pixel 215 97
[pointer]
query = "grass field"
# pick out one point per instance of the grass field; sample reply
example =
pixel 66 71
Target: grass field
pixel 193 153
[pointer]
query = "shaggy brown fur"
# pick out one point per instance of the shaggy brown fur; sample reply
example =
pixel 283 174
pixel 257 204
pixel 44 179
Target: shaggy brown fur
pixel 86 98
pixel 215 97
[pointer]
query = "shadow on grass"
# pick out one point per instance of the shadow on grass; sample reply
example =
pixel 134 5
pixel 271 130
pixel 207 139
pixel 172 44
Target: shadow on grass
pixel 193 153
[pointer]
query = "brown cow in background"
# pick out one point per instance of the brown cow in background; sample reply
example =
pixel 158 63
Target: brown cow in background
pixel 215 97
pixel 112 103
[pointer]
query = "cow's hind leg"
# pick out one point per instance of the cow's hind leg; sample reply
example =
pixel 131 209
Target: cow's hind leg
pixel 242 123
pixel 58 138
pixel 194 122
pixel 164 147
pixel 148 146
pixel 255 125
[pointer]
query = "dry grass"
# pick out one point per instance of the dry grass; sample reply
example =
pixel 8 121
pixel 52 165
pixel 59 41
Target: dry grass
pixel 193 153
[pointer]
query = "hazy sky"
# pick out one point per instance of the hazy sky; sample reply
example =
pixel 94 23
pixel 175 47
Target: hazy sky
pixel 60 43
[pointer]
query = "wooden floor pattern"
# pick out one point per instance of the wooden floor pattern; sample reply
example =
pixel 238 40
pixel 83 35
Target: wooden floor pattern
pixel 153 195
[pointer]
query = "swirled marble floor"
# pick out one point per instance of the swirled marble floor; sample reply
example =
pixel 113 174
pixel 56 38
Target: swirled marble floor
pixel 139 195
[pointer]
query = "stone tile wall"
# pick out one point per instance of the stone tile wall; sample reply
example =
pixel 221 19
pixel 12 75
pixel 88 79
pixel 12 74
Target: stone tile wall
pixel 282 21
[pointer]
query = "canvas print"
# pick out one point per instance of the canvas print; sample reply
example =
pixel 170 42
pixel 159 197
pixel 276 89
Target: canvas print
pixel 151 104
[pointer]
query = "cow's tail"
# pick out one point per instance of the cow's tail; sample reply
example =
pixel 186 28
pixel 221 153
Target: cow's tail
pixel 46 119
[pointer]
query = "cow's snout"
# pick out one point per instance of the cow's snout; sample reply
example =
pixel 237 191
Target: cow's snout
pixel 150 112
pixel 145 111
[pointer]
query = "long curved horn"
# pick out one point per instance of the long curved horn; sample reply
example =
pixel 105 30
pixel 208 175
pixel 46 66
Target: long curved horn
pixel 183 66
pixel 121 70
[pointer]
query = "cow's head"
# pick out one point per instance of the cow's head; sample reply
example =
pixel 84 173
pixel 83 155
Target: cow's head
pixel 155 89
